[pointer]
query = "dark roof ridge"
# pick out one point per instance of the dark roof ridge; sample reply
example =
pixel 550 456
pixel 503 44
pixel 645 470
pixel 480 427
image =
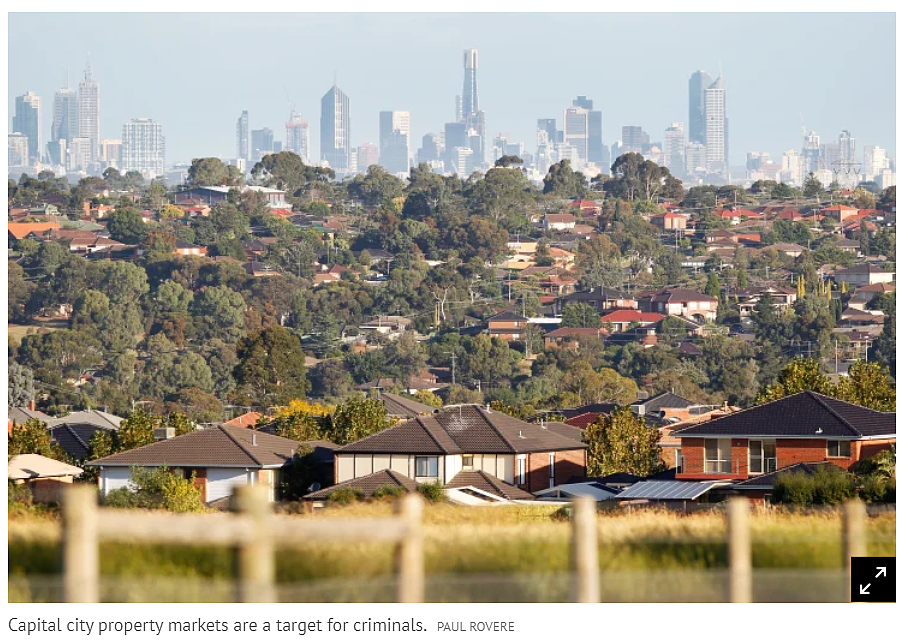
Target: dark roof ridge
pixel 240 445
pixel 820 399
pixel 419 420
pixel 834 398
pixel 716 418
pixel 69 428
pixel 483 413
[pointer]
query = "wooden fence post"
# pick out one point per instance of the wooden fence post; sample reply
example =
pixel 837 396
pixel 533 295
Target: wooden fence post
pixel 256 555
pixel 409 561
pixel 584 553
pixel 853 538
pixel 80 544
pixel 739 550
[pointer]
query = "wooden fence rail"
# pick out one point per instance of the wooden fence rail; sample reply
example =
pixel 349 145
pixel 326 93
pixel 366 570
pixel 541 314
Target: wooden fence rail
pixel 254 532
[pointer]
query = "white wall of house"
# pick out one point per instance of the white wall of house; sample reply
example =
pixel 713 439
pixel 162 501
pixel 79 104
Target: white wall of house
pixel 351 466
pixel 221 481
pixel 114 478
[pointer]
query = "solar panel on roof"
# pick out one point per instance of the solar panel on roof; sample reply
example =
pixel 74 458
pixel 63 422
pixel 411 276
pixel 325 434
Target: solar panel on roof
pixel 667 490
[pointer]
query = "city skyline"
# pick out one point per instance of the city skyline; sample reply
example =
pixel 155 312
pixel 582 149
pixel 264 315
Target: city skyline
pixel 761 125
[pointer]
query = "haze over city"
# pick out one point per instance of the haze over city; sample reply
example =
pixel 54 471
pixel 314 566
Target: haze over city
pixel 635 68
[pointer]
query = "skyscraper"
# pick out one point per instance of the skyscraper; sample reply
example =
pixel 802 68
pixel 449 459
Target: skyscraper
pixel 697 109
pixel 634 139
pixel 90 112
pixel 394 141
pixel 717 126
pixel 577 131
pixel 334 130
pixel 263 143
pixel 17 152
pixel 430 150
pixel 243 135
pixel 143 147
pixel 65 124
pixel 298 136
pixel 548 127
pixel 367 156
pixel 470 100
pixel 27 121
pixel 594 129
pixel 674 149
pixel 455 138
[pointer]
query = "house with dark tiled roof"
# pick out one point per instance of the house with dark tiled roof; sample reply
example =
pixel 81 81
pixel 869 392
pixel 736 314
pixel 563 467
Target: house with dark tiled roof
pixel 803 427
pixel 507 325
pixel 74 432
pixel 402 409
pixel 466 438
pixel 680 302
pixel 603 299
pixel 220 458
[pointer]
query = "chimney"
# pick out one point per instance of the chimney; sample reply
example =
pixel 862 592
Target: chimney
pixel 254 439
pixel 164 433
pixel 488 411
pixel 31 405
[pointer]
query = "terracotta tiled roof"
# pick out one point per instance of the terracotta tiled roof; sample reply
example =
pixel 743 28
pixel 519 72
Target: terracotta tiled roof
pixel 245 420
pixel 21 230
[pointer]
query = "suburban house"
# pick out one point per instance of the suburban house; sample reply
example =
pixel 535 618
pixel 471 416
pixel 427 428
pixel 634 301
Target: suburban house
pixel 840 213
pixel 402 409
pixel 571 336
pixel 863 274
pixel 585 207
pixel 667 406
pixel 221 458
pixel 803 427
pixel 603 299
pixel 466 438
pixel 559 222
pixel 670 221
pixel 621 319
pixel 758 489
pixel 793 250
pixel 862 295
pixel 74 432
pixel 680 302
pixel 391 326
pixel 507 325
pixel 44 476
pixel 747 298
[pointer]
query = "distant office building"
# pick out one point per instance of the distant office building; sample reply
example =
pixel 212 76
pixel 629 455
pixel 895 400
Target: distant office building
pixel 674 149
pixel 695 158
pixel 577 131
pixel 793 168
pixel 430 150
pixel 109 151
pixel 276 147
pixel 65 122
pixel 90 111
pixel 594 129
pixel 143 147
pixel 367 156
pixel 79 154
pixel 697 107
pixel 634 139
pixel 297 139
pixel 27 121
pixel 243 135
pixel 876 161
pixel 455 138
pixel 811 150
pixel 717 126
pixel 547 127
pixel 335 145
pixel 394 141
pixel 18 150
pixel 462 161
pixel 755 160
pixel 501 147
pixel 263 142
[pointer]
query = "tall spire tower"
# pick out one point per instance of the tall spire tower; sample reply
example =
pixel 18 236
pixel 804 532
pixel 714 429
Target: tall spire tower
pixel 90 112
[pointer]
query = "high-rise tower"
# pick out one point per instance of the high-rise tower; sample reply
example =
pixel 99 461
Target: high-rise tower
pixel 334 130
pixel 697 120
pixel 27 121
pixel 717 126
pixel 90 112
pixel 243 135
pixel 394 141
pixel 470 100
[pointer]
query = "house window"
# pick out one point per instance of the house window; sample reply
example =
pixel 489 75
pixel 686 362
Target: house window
pixel 678 459
pixel 427 466
pixel 717 455
pixel 838 449
pixel 467 461
pixel 761 457
pixel 521 469
pixel 552 469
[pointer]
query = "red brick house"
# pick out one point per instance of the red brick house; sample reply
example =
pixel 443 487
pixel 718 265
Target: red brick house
pixel 803 427
pixel 466 438
pixel 507 325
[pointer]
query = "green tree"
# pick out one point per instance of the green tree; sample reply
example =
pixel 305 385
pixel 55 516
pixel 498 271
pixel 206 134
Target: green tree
pixel 220 313
pixel 32 437
pixel 135 430
pixel 357 418
pixel 580 315
pixel 211 171
pixel 812 186
pixel 622 442
pixel 271 368
pixel 563 181
pixel 21 386
pixel 126 225
pixel 868 384
pixel 799 375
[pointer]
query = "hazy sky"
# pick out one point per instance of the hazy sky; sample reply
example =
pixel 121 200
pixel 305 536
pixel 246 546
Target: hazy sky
pixel 195 72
